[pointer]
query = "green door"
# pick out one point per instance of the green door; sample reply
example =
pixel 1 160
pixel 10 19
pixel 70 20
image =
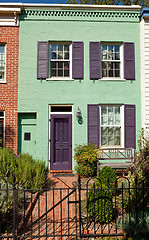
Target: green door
pixel 28 143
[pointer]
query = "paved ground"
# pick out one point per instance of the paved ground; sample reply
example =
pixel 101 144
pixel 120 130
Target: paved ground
pixel 54 208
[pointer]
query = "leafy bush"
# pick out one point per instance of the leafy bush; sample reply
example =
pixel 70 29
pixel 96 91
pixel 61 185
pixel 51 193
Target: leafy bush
pixel 135 226
pixel 86 158
pixel 99 204
pixel 28 171
pixel 107 176
pixel 140 174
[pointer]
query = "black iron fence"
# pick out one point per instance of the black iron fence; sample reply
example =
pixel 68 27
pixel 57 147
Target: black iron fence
pixel 88 208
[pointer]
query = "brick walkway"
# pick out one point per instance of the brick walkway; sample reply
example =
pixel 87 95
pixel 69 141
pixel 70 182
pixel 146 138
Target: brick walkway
pixel 62 220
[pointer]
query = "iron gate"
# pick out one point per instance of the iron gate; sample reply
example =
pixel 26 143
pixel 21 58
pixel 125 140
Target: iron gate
pixel 64 210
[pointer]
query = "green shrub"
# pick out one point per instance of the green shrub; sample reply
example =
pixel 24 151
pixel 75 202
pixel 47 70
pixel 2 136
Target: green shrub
pixel 29 172
pixel 135 225
pixel 107 176
pixel 86 158
pixel 99 203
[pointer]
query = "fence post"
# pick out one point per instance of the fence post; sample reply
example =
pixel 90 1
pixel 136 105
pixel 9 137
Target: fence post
pixel 80 221
pixel 14 207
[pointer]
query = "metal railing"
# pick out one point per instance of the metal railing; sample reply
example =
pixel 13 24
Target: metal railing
pixel 89 209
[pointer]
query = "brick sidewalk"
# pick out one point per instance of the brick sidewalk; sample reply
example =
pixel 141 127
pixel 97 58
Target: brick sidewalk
pixel 62 220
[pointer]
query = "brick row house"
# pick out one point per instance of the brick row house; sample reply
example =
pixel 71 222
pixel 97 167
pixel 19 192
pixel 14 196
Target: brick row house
pixel 9 52
pixel 79 80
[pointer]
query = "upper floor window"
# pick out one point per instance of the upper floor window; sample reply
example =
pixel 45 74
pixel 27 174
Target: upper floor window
pixel 2 62
pixel 60 60
pixel 111 61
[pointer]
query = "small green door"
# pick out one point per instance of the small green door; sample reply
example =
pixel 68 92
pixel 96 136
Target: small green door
pixel 28 141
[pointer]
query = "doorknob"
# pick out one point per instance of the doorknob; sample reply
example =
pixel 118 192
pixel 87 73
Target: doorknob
pixel 35 142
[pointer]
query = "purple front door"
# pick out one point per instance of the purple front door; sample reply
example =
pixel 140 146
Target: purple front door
pixel 61 142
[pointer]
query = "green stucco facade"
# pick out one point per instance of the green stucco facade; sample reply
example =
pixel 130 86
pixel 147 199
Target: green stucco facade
pixel 36 95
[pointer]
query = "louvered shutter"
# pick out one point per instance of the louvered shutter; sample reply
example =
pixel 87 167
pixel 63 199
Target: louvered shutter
pixel 77 60
pixel 130 126
pixel 42 60
pixel 93 124
pixel 129 61
pixel 95 61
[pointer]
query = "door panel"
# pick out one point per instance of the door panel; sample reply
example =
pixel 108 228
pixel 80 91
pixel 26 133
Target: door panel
pixel 61 142
pixel 29 139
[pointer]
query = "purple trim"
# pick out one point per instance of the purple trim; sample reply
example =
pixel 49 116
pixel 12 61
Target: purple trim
pixel 77 60
pixel 95 60
pixel 61 165
pixel 42 61
pixel 130 126
pixel 93 123
pixel 129 61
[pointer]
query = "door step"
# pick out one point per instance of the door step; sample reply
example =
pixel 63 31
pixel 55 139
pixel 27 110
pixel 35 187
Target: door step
pixel 61 171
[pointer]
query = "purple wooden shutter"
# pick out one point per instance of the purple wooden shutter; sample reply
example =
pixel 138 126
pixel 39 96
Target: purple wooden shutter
pixel 77 60
pixel 93 124
pixel 129 61
pixel 95 62
pixel 130 126
pixel 42 60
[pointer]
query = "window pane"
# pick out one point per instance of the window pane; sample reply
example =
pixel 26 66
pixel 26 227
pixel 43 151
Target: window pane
pixel 117 73
pixel 53 65
pixel 66 65
pixel 60 65
pixel 66 48
pixel 60 48
pixel 53 55
pixel 110 137
pixel 117 56
pixel 53 47
pixel 66 55
pixel 53 73
pixel 66 73
pixel 104 120
pixel 2 49
pixel 117 65
pixel 60 73
pixel 60 55
pixel 104 134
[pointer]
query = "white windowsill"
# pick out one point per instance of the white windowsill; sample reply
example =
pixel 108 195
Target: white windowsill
pixel 59 79
pixel 3 81
pixel 113 79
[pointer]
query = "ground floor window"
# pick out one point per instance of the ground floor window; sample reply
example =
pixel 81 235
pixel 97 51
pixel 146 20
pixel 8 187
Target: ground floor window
pixel 1 128
pixel 111 125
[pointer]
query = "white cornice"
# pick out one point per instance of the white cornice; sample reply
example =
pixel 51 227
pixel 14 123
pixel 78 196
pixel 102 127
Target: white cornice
pixel 9 14
pixel 81 7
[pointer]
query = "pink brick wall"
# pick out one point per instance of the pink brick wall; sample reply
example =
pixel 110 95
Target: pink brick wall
pixel 9 90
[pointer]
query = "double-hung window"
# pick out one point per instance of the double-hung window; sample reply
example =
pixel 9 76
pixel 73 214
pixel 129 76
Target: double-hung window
pixel 2 63
pixel 60 60
pixel 111 126
pixel 111 60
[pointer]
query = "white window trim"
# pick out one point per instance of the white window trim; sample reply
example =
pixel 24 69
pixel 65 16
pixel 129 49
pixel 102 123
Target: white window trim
pixel 121 78
pixel 122 125
pixel 70 58
pixel 4 80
